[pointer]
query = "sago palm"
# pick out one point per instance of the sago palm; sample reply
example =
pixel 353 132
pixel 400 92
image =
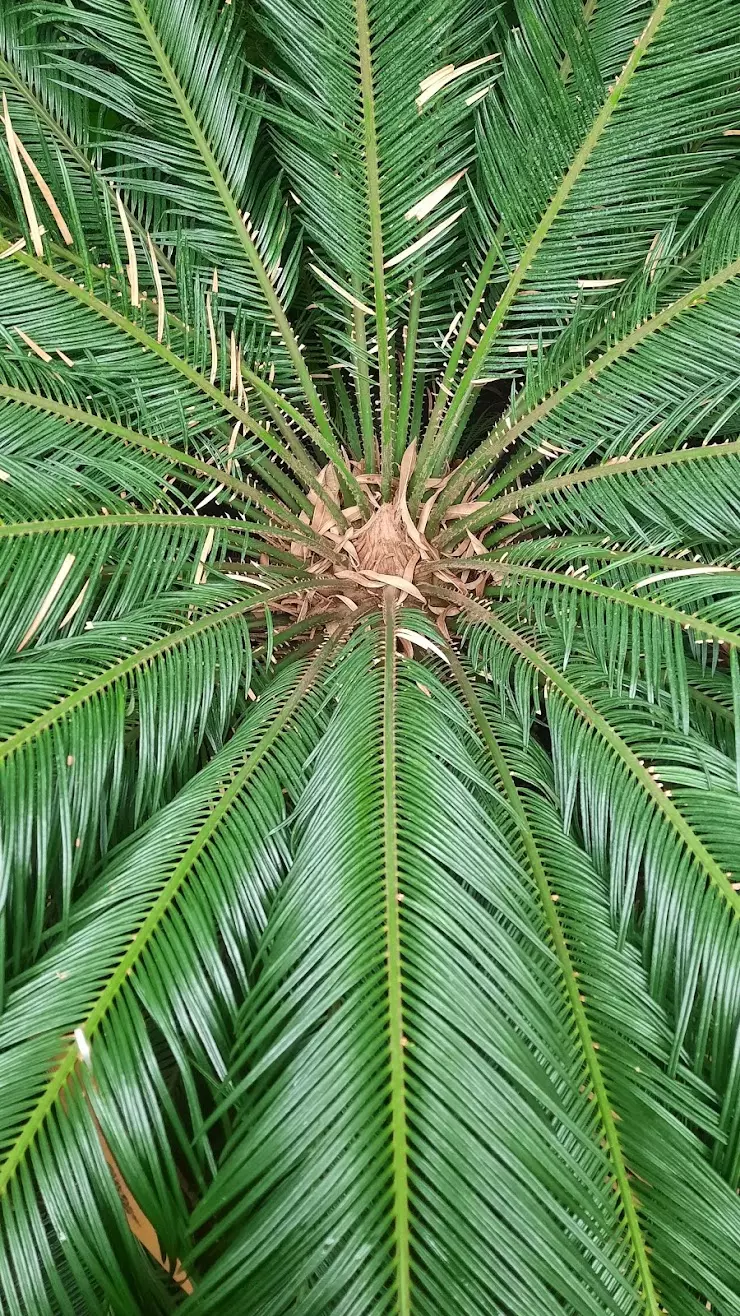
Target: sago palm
pixel 369 691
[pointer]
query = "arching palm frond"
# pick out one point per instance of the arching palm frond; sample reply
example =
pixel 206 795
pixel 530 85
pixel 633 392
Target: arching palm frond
pixel 369 658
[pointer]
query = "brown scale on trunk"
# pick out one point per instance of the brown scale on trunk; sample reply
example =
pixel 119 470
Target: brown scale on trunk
pixel 386 550
pixel 383 543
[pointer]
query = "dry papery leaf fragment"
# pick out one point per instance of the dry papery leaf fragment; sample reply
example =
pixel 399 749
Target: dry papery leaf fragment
pixel 139 1224
pixel 132 269
pixel 46 192
pixel 23 188
pixel 429 87
pixel 48 600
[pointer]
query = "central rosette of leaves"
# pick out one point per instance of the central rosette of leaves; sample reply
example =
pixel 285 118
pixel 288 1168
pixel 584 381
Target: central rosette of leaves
pixel 385 549
pixel 384 545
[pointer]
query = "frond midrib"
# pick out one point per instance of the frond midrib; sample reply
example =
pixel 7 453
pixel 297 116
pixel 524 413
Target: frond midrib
pixel 394 970
pixel 376 238
pixel 103 520
pixel 664 611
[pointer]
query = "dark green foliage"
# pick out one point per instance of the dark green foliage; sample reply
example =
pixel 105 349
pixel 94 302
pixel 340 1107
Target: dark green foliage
pixel 368 951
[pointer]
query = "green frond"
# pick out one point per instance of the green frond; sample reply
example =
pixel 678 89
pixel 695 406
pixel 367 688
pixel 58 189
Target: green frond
pixel 176 880
pixel 377 172
pixel 630 498
pixel 645 632
pixel 676 107
pixel 87 431
pixel 321 1008
pixel 100 729
pixel 175 117
pixel 662 55
pixel 681 396
pixel 692 1233
pixel 50 467
pixel 635 833
pixel 171 391
pixel 176 141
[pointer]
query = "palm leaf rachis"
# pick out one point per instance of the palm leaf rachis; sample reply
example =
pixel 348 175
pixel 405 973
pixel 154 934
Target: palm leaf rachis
pixel 369 687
